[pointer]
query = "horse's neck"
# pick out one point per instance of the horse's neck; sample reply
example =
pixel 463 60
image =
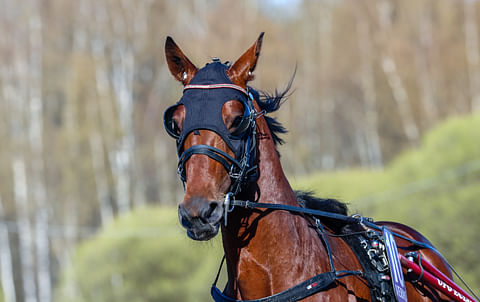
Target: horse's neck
pixel 255 243
pixel 272 184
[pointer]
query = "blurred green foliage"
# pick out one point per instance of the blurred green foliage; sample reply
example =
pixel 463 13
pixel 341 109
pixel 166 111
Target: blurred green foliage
pixel 434 188
pixel 143 256
pixel 146 256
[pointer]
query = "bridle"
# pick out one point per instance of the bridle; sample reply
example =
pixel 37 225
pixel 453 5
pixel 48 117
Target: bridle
pixel 241 168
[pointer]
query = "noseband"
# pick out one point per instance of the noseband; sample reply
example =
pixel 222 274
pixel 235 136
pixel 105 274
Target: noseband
pixel 198 100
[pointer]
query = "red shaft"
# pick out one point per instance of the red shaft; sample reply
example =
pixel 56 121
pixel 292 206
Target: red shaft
pixel 437 279
pixel 436 272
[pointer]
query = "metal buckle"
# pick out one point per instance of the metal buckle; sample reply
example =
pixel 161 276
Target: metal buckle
pixel 226 206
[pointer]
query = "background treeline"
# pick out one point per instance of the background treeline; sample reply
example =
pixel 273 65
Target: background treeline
pixel 145 255
pixel 83 85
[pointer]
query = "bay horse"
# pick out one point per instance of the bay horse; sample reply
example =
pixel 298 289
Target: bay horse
pixel 227 147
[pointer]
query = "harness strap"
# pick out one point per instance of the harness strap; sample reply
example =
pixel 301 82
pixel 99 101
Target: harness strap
pixel 274 206
pixel 298 292
pixel 340 217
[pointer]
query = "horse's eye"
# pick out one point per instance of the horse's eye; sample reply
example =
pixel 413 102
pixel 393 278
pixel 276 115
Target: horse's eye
pixel 173 120
pixel 236 122
pixel 232 115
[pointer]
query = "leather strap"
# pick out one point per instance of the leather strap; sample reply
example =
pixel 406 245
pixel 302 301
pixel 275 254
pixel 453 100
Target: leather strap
pixel 298 292
pixel 222 157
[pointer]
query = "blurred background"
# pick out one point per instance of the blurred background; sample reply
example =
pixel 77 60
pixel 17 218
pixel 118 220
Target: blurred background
pixel 384 115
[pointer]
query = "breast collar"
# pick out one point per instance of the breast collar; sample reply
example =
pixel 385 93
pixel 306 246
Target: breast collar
pixel 203 100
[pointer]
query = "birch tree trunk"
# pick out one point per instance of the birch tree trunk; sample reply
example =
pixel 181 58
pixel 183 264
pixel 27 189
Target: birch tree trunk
pixel 367 80
pixel 6 266
pixel 422 65
pixel 8 95
pixel 70 215
pixel 102 115
pixel 24 230
pixel 97 152
pixel 137 39
pixel 19 102
pixel 304 94
pixel 327 105
pixel 401 99
pixel 472 52
pixel 121 157
pixel 36 145
pixel 394 80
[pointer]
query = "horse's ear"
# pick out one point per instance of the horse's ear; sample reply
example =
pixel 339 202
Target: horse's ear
pixel 180 66
pixel 242 70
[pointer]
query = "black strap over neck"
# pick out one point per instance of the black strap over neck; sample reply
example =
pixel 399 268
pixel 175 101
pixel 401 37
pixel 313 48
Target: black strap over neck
pixel 368 222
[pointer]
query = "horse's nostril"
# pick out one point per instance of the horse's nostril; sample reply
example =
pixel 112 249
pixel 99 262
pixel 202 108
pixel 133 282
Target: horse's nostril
pixel 212 207
pixel 211 213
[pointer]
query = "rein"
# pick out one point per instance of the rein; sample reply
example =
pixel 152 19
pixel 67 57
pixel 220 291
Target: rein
pixel 368 222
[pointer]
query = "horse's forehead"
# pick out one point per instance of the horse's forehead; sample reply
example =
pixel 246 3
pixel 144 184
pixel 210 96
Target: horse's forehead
pixel 212 73
pixel 206 99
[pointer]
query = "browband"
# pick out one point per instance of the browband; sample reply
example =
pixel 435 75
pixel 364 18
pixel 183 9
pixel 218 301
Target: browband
pixel 213 86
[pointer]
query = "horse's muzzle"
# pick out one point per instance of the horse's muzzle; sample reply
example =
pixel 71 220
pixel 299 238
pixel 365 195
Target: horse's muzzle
pixel 202 218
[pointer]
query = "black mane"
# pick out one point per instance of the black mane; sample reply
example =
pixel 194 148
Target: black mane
pixel 270 103
pixel 308 200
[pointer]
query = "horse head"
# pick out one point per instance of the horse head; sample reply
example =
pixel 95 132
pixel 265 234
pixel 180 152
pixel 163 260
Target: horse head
pixel 214 127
